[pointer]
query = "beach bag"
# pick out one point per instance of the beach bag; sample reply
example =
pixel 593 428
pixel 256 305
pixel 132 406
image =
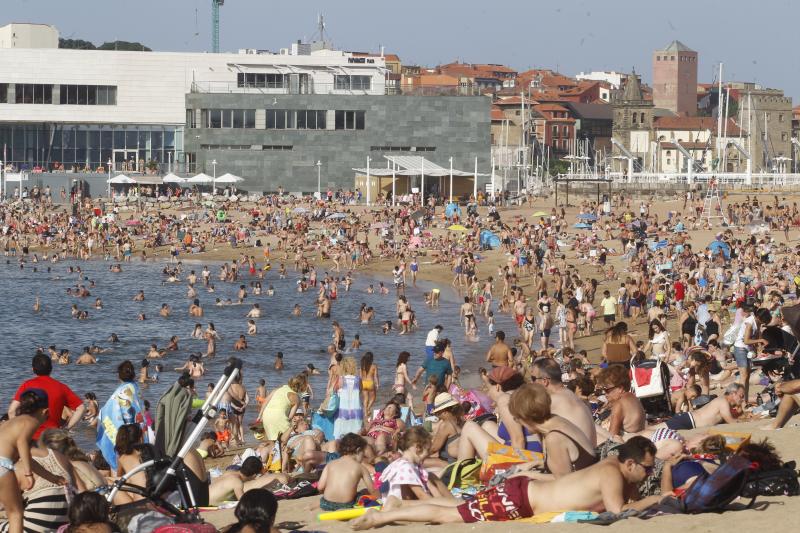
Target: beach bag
pixel 780 482
pixel 500 458
pixel 462 474
pixel 729 337
pixel 714 492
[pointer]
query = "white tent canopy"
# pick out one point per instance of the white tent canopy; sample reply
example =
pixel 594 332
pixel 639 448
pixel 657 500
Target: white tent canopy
pixel 413 165
pixel 228 178
pixel 173 178
pixel 200 178
pixel 121 179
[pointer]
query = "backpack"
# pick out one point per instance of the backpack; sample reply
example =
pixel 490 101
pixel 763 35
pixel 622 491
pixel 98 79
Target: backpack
pixel 462 474
pixel 716 491
pixel 780 482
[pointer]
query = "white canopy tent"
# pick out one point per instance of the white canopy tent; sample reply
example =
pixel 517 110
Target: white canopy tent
pixel 119 179
pixel 200 178
pixel 415 165
pixel 173 178
pixel 228 178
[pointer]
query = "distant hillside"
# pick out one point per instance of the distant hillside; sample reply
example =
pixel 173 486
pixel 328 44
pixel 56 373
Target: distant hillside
pixel 80 44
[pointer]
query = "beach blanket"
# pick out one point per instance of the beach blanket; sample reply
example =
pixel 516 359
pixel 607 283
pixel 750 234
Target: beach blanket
pixel 500 458
pixel 123 407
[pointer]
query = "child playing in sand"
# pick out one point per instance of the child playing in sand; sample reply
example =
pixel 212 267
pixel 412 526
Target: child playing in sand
pixel 341 477
pixel 14 444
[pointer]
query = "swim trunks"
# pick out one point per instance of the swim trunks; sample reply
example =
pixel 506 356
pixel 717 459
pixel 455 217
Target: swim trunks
pixel 503 502
pixel 681 421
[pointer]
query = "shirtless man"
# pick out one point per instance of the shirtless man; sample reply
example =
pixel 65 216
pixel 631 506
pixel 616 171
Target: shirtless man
pixel 500 354
pixel 610 485
pixel 165 310
pixel 519 310
pixel 233 484
pixel 255 312
pixel 240 344
pixel 195 309
pixel 86 358
pixel 139 297
pixel 564 403
pixel 714 412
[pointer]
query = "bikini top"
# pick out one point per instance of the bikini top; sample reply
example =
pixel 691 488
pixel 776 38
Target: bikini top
pixel 585 459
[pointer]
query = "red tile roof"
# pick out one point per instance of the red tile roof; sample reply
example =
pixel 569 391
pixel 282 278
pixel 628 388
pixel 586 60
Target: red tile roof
pixel 514 101
pixel 550 107
pixel 497 114
pixel 694 124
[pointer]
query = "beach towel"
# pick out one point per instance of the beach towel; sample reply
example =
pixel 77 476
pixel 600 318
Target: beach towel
pixel 123 407
pixel 350 415
pixel 500 458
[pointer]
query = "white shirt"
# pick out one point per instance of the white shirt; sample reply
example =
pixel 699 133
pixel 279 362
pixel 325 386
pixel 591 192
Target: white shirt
pixel 432 338
pixel 740 334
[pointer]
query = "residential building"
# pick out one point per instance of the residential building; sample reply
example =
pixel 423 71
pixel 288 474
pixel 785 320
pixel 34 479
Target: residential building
pixel 698 136
pixel 675 79
pixel 613 78
pixel 555 128
pixel 593 123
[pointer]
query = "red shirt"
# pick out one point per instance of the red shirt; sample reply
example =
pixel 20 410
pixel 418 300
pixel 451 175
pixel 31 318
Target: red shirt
pixel 680 290
pixel 58 396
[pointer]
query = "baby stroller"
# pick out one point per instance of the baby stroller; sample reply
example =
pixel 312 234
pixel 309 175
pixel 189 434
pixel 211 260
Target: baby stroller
pixel 650 382
pixel 172 489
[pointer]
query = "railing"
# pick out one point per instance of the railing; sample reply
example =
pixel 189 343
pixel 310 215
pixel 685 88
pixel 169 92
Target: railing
pixel 217 87
pixel 733 179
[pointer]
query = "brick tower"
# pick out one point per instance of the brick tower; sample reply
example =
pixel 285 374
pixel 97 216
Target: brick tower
pixel 675 79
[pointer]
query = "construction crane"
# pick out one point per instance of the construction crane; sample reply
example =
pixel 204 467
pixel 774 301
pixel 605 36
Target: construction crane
pixel 215 5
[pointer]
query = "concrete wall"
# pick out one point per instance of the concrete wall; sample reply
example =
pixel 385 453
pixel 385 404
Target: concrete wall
pixel 457 126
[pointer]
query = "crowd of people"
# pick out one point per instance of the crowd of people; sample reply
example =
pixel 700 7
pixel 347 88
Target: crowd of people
pixel 565 410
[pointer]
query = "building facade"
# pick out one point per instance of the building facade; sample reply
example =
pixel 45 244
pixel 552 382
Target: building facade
pixel 278 140
pixel 767 115
pixel 632 122
pixel 675 79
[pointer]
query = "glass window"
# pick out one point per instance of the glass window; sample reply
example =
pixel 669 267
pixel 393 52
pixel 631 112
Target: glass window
pixel 169 139
pixel 131 139
pixel 301 120
pixel 144 136
pixel 360 83
pixel 226 118
pixel 321 120
pixel 341 83
pixel 349 120
pixel 214 118
pixel 91 95
pixel 156 139
pixel 102 95
pixel 238 118
pixel 360 120
pixel 82 91
pixel 250 118
pixel 94 158
pixel 3 93
pixel 72 94
pixel 112 95
pixel 271 119
pixel 311 119
pixel 280 119
pixel 339 120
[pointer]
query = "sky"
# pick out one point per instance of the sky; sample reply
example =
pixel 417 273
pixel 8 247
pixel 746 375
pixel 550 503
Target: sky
pixel 756 41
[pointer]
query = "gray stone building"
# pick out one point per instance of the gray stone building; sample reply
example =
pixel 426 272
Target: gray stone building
pixel 274 141
pixel 632 123
pixel 770 126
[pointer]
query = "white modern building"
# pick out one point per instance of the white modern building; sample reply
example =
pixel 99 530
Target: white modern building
pixel 613 78
pixel 78 109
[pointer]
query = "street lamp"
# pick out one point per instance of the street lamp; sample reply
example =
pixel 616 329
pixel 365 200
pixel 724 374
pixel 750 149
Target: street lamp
pixel 214 167
pixel 451 179
pixel 319 180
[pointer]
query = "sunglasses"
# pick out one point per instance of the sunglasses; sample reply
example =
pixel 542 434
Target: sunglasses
pixel 648 469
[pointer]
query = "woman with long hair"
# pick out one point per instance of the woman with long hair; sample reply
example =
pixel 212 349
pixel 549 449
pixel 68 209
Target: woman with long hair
pixel 350 415
pixel 369 383
pixel 618 346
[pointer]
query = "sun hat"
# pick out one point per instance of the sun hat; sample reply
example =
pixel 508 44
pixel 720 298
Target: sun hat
pixel 442 401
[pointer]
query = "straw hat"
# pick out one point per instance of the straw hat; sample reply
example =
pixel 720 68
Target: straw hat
pixel 442 401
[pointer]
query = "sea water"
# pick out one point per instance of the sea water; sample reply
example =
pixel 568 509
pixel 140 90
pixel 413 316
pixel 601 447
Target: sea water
pixel 302 339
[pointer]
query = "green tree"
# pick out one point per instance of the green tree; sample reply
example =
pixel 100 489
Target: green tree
pixel 558 166
pixel 75 44
pixel 124 46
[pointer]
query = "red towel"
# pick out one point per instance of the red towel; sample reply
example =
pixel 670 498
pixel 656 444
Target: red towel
pixel 643 376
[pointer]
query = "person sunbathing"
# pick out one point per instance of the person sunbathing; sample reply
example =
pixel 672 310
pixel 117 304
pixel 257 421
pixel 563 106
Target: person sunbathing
pixel 609 485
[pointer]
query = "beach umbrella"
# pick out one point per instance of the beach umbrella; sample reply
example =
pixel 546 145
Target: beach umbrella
pixel 587 216
pixel 229 178
pixel 582 225
pixel 716 246
pixel 539 214
pixel 121 179
pixel 336 216
pixel 172 178
pixel 200 178
pixel 457 227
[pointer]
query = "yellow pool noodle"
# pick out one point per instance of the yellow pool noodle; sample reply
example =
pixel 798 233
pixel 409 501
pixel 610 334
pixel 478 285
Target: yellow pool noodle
pixel 345 514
